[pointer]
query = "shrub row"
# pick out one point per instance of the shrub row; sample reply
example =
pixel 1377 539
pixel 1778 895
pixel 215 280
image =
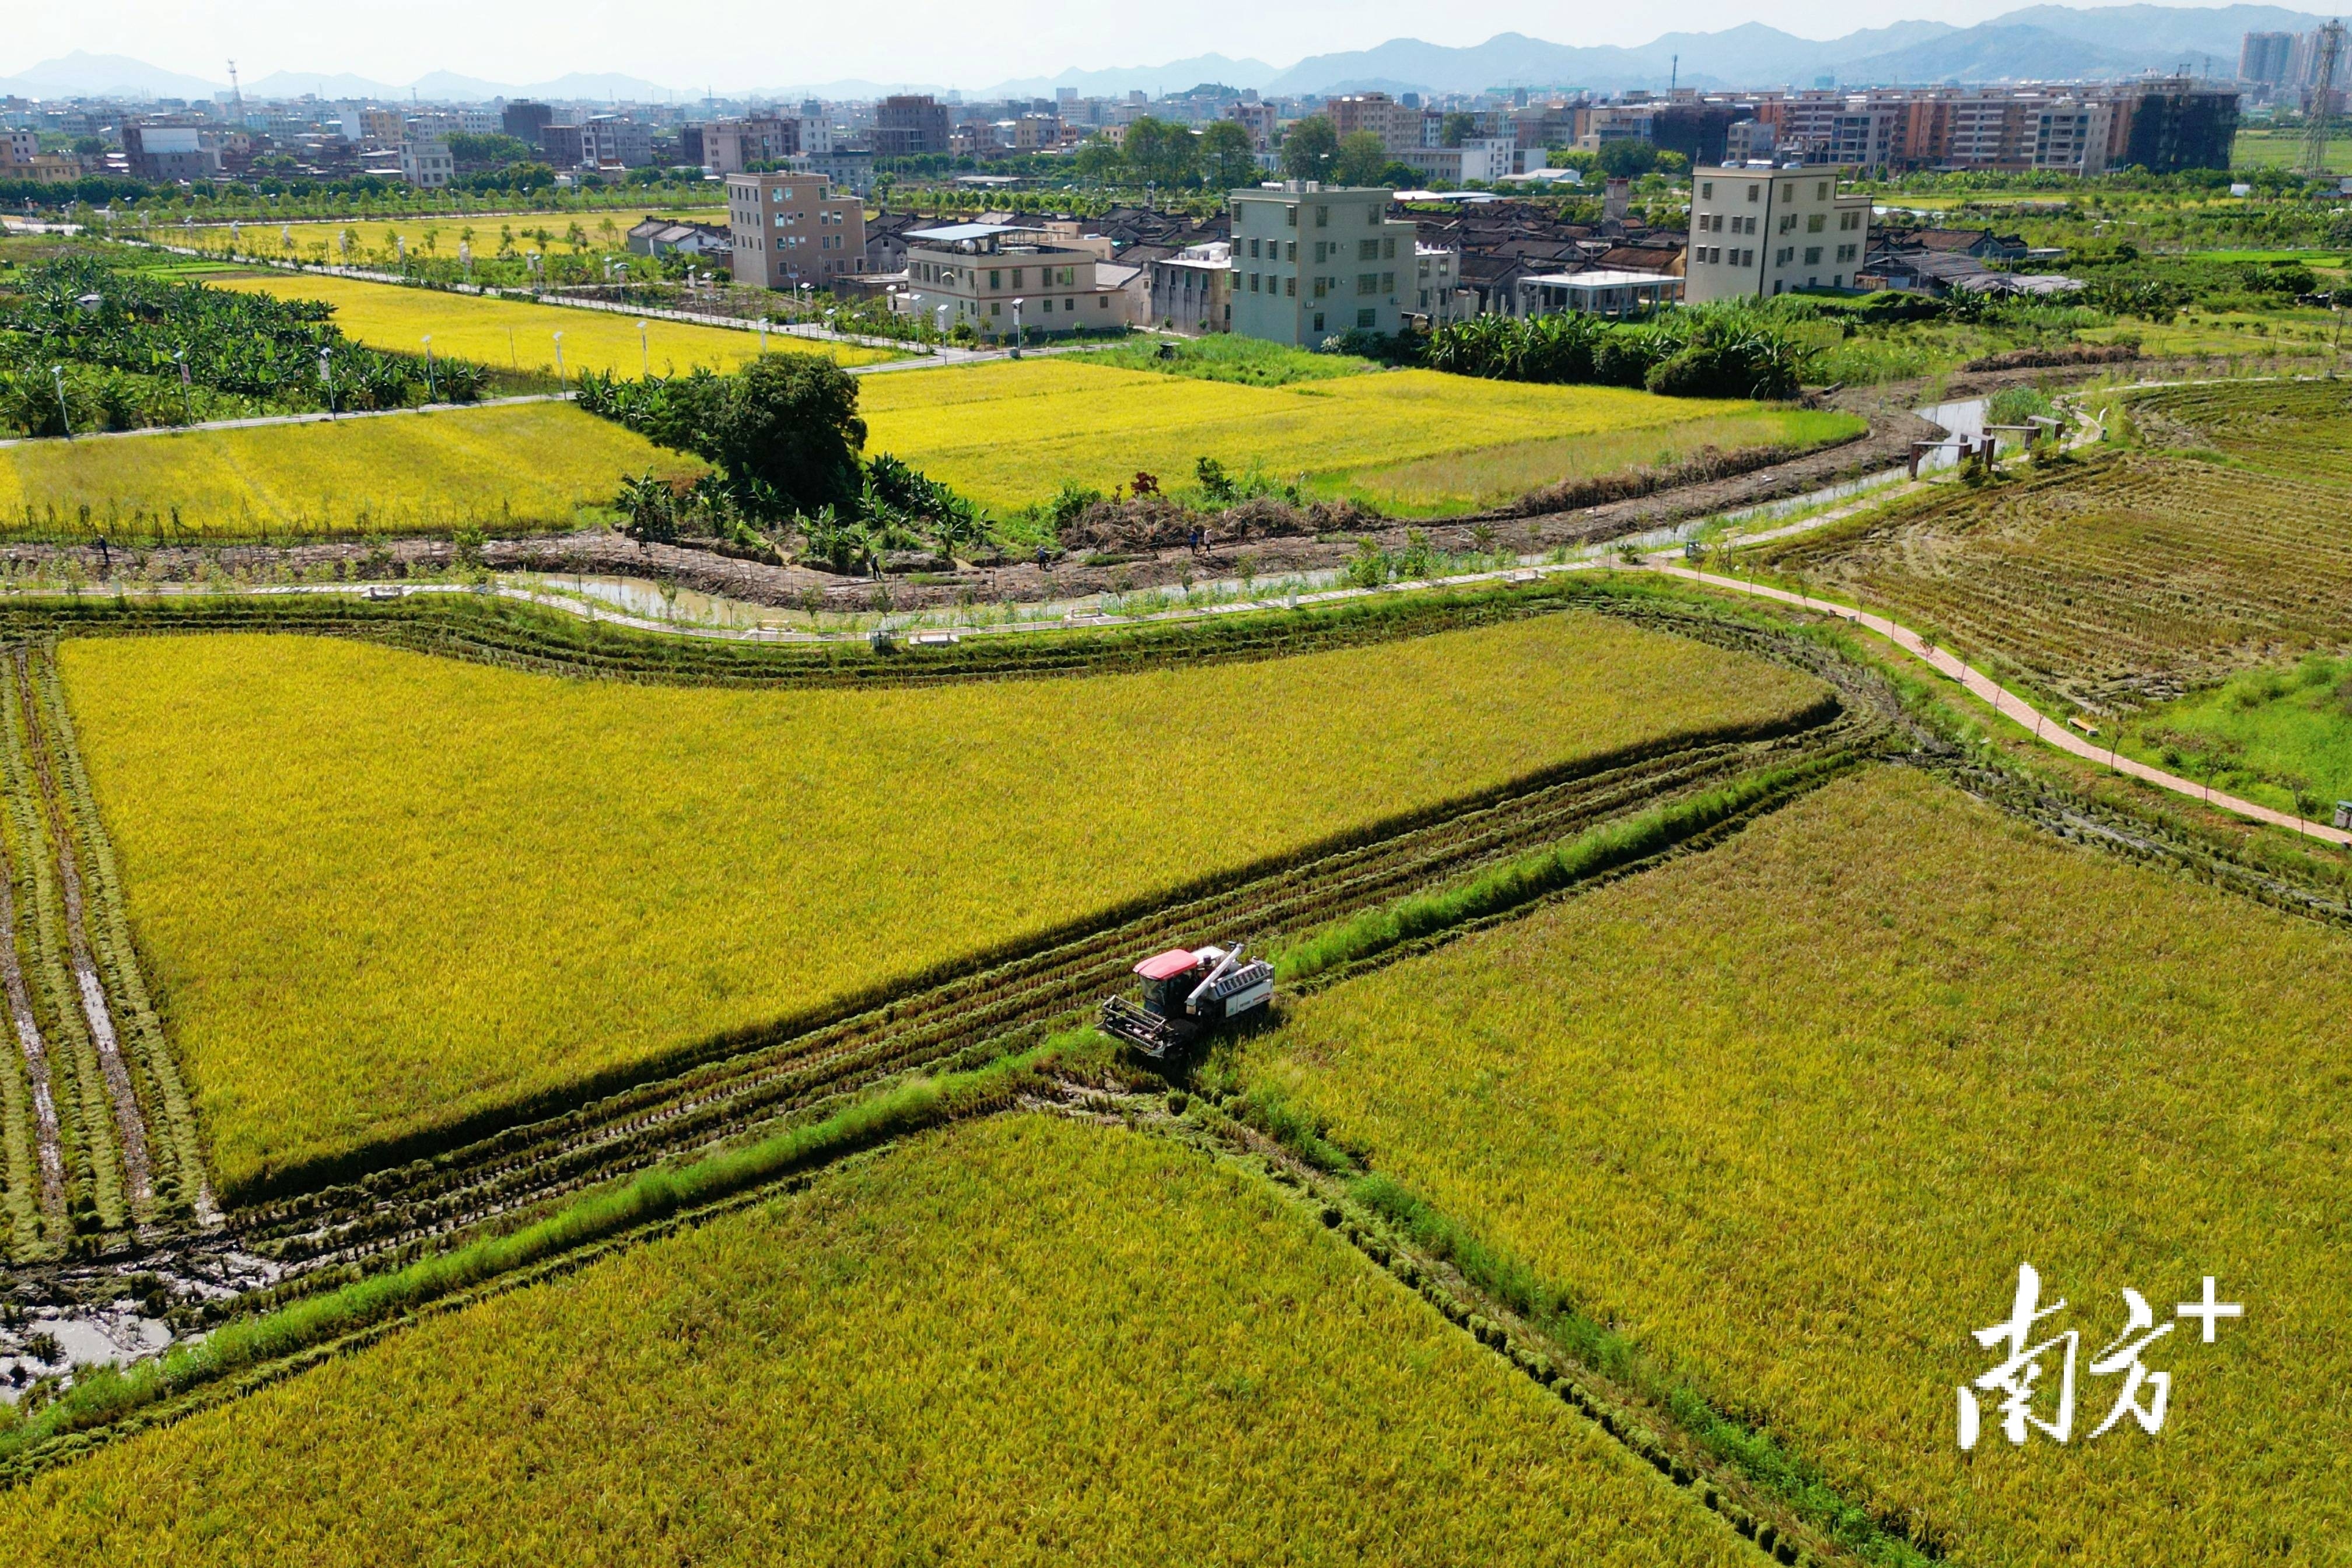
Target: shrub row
pixel 1705 351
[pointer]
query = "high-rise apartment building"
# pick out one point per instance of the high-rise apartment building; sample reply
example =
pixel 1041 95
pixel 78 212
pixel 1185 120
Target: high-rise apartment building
pixel 2262 57
pixel 523 120
pixel 2163 124
pixel 910 126
pixel 1397 126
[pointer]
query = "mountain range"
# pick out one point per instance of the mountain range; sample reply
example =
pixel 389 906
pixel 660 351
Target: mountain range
pixel 2046 42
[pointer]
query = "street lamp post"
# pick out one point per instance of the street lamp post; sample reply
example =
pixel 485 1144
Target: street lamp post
pixel 65 415
pixel 432 392
pixel 646 352
pixel 327 380
pixel 559 361
pixel 1016 329
pixel 942 312
pixel 187 399
pixel 763 335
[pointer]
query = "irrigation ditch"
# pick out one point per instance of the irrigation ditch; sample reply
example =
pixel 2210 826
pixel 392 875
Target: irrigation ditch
pixel 320 1261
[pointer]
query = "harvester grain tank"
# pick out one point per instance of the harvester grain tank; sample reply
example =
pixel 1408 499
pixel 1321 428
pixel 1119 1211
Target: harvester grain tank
pixel 1188 992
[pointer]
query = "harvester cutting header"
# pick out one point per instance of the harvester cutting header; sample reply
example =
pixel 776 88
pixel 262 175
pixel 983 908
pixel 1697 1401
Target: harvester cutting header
pixel 1187 993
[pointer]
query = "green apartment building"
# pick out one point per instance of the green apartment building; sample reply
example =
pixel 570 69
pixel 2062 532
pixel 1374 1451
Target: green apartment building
pixel 1312 261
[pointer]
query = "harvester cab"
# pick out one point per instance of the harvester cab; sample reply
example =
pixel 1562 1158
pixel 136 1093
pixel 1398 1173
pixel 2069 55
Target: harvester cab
pixel 1187 993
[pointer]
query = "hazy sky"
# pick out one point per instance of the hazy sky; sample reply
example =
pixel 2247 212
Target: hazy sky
pixel 744 43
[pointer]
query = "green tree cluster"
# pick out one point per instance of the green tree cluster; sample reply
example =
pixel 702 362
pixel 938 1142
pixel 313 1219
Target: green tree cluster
pixel 1173 157
pixel 784 430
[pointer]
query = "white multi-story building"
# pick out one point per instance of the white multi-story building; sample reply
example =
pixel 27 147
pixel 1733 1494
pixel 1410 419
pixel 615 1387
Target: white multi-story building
pixel 1313 261
pixel 1483 158
pixel 425 163
pixel 1766 231
pixel 989 276
pixel 790 229
pixel 1438 294
pixel 1192 290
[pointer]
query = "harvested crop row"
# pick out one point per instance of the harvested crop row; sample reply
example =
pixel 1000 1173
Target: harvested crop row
pixel 2134 578
pixel 88 990
pixel 1111 1297
pixel 1909 1045
pixel 106 954
pixel 96 1190
pixel 626 1130
pixel 296 822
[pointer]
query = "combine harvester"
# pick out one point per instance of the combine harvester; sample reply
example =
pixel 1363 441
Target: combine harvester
pixel 1187 993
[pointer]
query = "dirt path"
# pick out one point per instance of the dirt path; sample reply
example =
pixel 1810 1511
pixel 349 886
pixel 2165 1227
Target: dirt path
pixel 2009 705
pixel 130 1123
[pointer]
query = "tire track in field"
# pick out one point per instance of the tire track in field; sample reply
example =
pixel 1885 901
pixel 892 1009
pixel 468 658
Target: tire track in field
pixel 182 1146
pixel 51 1145
pixel 526 1164
pixel 130 1124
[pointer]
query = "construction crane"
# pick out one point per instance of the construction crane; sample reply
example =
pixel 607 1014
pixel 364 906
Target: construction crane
pixel 2319 115
pixel 1187 993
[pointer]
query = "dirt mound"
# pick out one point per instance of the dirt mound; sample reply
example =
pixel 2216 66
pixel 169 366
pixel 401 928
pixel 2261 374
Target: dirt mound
pixel 2048 359
pixel 1705 465
pixel 1155 523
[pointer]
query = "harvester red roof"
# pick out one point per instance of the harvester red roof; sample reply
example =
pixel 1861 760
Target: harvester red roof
pixel 1168 965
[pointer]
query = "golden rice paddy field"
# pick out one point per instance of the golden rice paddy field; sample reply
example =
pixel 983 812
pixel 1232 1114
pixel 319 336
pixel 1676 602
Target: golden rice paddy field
pixel 1408 441
pixel 438 234
pixel 513 334
pixel 377 890
pixel 1792 1114
pixel 518 467
pixel 1025 1341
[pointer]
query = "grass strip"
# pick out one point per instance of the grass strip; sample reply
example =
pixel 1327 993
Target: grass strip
pixel 103 1395
pixel 1553 1311
pixel 1543 871
pixel 510 634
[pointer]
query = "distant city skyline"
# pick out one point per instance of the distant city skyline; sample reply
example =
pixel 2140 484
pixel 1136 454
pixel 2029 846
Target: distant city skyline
pixel 734 45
